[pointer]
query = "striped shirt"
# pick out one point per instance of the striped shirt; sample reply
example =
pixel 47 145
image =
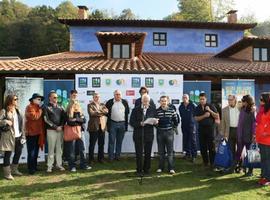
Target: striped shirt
pixel 167 118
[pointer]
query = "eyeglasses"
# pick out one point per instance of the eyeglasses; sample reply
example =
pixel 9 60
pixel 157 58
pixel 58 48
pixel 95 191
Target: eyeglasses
pixel 117 94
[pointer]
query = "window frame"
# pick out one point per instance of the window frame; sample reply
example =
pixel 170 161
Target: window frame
pixel 260 54
pixel 121 50
pixel 210 40
pixel 159 39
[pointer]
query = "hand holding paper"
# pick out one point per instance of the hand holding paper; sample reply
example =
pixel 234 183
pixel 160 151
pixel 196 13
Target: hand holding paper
pixel 151 121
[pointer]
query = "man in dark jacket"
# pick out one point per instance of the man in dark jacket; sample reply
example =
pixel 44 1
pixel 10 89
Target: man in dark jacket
pixel 187 111
pixel 143 133
pixel 143 90
pixel 117 124
pixel 54 117
pixel 205 115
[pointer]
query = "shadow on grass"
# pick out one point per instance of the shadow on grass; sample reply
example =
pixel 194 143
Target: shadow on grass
pixel 113 181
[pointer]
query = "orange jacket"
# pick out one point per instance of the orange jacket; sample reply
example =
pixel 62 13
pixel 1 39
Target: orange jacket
pixel 263 129
pixel 34 123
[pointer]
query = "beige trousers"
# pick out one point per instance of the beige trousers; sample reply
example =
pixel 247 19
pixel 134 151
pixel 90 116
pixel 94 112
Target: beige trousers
pixel 55 144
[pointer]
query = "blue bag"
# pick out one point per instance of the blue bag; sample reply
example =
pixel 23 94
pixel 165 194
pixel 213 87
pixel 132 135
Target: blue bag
pixel 223 157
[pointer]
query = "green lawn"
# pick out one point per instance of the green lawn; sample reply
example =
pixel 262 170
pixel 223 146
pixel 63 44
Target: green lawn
pixel 114 181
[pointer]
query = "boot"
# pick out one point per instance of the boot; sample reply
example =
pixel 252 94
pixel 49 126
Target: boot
pixel 7 173
pixel 15 171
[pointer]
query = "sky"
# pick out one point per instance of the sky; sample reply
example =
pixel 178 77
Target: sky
pixel 157 9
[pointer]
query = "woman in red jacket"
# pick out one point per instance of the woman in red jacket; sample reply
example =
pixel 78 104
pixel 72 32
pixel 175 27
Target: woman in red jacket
pixel 263 138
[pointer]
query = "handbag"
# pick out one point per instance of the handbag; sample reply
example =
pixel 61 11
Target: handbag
pixel 253 154
pixel 246 159
pixel 72 133
pixel 223 156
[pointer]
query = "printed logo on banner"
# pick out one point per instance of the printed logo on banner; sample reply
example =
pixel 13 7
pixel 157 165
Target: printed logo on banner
pixel 175 101
pixel 96 82
pixel 161 82
pixel 173 82
pixel 136 82
pixel 130 93
pixel 120 81
pixel 83 82
pixel 90 92
pixel 108 81
pixel 149 82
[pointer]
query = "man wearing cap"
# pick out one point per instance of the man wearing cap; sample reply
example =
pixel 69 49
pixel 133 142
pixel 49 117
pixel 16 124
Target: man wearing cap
pixel 54 116
pixel 34 130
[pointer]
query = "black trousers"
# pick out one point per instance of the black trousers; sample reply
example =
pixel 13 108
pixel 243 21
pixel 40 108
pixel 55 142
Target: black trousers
pixel 207 145
pixel 94 137
pixel 146 147
pixel 17 153
pixel 32 151
pixel 232 142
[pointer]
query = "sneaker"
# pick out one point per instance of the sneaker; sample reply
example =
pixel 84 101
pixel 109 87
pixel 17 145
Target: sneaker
pixel 172 171
pixel 261 181
pixel 266 183
pixel 159 170
pixel 73 169
pixel 49 170
pixel 61 168
pixel 87 168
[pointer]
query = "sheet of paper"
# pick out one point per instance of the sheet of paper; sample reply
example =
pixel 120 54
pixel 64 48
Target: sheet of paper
pixel 151 121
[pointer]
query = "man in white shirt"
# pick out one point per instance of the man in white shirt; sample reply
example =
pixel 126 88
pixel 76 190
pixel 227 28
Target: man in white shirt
pixel 229 123
pixel 117 124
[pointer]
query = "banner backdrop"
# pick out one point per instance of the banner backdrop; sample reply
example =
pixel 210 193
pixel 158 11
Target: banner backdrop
pixel 194 88
pixel 62 88
pixel 129 85
pixel 237 87
pixel 24 88
pixel 259 89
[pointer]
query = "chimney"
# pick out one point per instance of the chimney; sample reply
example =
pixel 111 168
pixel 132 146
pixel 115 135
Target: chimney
pixel 82 12
pixel 232 16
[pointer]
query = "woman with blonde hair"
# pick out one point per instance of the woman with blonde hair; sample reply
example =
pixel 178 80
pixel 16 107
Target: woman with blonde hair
pixel 75 117
pixel 12 136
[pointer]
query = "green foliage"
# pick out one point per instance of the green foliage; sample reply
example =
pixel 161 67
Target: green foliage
pixel 195 10
pixel 127 14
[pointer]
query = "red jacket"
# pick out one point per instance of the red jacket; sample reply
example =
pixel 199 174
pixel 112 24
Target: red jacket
pixel 34 123
pixel 263 129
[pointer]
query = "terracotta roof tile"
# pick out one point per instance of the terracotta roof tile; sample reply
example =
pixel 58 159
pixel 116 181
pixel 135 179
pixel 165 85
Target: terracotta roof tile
pixel 80 62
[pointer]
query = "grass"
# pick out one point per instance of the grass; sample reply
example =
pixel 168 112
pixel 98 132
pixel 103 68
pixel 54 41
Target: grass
pixel 115 181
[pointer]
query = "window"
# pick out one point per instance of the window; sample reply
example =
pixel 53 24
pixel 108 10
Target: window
pixel 121 51
pixel 159 39
pixel 211 40
pixel 260 54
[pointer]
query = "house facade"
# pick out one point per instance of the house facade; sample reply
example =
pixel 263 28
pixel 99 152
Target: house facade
pixel 198 50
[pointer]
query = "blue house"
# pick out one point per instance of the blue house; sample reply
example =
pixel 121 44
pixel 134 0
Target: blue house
pixel 198 50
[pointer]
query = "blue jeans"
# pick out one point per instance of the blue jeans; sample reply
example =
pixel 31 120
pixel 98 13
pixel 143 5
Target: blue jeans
pixel 32 152
pixel 116 136
pixel 165 139
pixel 71 147
pixel 265 160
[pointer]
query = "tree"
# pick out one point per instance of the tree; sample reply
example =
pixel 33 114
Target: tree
pixel 220 8
pixel 127 14
pixel 174 16
pixel 262 29
pixel 195 10
pixel 66 10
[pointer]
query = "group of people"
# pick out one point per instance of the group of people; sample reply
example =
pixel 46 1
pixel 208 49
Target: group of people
pixel 42 123
pixel 243 126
